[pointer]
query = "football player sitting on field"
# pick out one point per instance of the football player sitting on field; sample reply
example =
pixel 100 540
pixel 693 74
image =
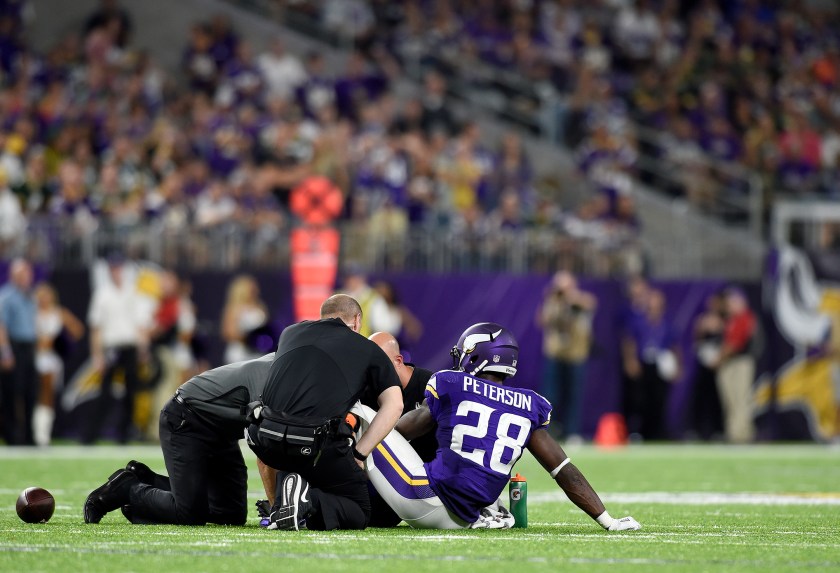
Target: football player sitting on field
pixel 482 428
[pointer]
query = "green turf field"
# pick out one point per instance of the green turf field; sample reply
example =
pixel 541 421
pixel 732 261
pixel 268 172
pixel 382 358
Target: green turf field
pixel 702 508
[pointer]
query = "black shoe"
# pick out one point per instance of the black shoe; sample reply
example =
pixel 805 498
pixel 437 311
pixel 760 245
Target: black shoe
pixel 263 508
pixel 109 496
pixel 142 471
pixel 295 504
pixel 264 512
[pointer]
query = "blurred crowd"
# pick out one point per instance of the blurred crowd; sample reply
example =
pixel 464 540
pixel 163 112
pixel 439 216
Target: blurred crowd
pixel 746 82
pixel 97 137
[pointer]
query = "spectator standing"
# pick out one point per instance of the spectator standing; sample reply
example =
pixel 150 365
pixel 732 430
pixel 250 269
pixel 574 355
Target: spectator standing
pixel 708 337
pixel 318 91
pixel 636 32
pixel 436 114
pixel 198 63
pixel 12 219
pixel 185 355
pixel 736 369
pixel 512 173
pixel 18 379
pixel 566 320
pixel 163 336
pixel 119 334
pixel 244 313
pixel 376 315
pixel 51 321
pixel 403 325
pixel 283 72
pixel 650 363
pixel 111 15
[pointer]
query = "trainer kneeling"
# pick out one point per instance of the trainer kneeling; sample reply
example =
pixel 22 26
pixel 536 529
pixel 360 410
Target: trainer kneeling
pixel 200 429
pixel 299 430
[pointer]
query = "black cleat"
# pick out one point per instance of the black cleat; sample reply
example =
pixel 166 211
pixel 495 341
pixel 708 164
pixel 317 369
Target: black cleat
pixel 295 504
pixel 263 509
pixel 264 512
pixel 142 471
pixel 109 496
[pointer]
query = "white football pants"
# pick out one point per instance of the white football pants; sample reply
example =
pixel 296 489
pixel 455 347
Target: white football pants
pixel 398 475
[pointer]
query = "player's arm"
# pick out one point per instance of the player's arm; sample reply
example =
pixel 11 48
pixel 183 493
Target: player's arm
pixel 416 423
pixel 555 461
pixel 390 408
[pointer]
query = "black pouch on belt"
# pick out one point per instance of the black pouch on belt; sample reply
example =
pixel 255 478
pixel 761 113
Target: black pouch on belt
pixel 280 433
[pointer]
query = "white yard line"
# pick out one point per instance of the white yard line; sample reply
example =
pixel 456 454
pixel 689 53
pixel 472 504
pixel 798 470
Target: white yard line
pixel 704 498
pixel 326 556
pixel 649 497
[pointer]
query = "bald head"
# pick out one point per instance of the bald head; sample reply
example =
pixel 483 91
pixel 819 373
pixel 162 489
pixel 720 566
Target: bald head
pixel 343 307
pixel 387 343
pixel 391 348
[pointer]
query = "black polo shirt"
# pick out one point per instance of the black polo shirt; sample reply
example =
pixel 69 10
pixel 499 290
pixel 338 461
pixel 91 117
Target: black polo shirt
pixel 322 367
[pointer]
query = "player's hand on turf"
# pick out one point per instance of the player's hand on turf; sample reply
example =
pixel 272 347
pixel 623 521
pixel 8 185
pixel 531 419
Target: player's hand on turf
pixel 625 524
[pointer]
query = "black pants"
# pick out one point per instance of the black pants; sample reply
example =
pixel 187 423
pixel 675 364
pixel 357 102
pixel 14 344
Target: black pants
pixel 208 479
pixel 124 357
pixel 707 414
pixel 338 485
pixel 18 393
pixel 645 402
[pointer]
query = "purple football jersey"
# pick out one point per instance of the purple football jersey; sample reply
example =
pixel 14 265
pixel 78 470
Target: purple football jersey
pixel 482 429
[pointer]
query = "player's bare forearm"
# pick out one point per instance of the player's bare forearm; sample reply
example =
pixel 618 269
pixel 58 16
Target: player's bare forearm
pixel 579 491
pixel 269 479
pixel 574 484
pixel 390 408
pixel 416 423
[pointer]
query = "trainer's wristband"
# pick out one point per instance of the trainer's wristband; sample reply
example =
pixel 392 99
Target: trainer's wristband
pixel 358 455
pixel 605 520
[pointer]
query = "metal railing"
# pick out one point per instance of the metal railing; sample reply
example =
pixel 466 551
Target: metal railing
pixel 590 249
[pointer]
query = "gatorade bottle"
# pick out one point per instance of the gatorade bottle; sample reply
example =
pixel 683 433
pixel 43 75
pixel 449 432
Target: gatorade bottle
pixel 519 500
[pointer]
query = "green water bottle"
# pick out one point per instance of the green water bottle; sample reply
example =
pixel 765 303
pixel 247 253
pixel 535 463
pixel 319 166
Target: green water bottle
pixel 519 500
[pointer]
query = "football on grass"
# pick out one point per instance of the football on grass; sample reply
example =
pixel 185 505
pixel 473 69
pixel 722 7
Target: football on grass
pixel 35 505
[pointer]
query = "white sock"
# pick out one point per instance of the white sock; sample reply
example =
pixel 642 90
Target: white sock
pixel 42 424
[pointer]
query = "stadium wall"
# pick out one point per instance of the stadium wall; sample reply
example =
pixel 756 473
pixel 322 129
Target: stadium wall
pixel 446 304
